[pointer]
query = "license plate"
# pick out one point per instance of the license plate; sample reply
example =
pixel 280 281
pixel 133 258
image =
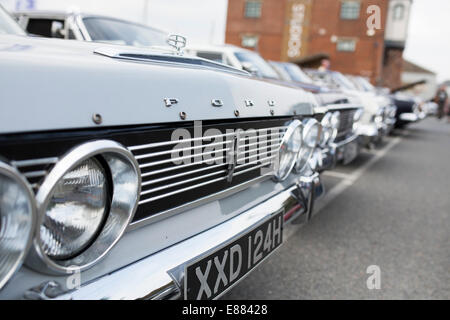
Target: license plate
pixel 212 275
pixel 350 152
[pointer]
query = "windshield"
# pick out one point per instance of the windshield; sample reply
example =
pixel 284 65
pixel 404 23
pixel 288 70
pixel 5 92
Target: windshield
pixel 296 73
pixel 8 25
pixel 262 67
pixel 366 84
pixel 121 32
pixel 343 81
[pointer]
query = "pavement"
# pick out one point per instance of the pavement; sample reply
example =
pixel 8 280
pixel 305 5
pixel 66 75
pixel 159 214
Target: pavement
pixel 390 208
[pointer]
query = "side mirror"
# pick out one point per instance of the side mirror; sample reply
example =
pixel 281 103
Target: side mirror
pixel 247 66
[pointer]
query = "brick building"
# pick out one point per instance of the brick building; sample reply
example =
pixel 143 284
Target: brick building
pixel 305 31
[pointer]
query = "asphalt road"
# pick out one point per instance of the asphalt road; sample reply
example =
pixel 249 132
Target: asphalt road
pixel 390 208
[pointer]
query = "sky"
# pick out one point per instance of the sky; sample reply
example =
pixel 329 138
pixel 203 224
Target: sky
pixel 204 21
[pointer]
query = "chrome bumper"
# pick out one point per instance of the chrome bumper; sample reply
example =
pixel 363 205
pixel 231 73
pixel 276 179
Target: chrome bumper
pixel 370 134
pixel 409 117
pixel 341 149
pixel 390 123
pixel 161 275
pixel 327 157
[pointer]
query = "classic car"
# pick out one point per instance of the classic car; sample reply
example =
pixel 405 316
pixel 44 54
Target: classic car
pixel 339 142
pixel 373 125
pixel 339 119
pixel 390 110
pixel 409 109
pixel 89 27
pixel 132 173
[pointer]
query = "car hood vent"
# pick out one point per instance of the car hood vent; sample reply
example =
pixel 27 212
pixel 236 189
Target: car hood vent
pixel 166 58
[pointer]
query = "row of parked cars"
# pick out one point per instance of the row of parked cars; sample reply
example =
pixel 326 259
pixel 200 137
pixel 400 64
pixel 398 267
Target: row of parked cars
pixel 130 169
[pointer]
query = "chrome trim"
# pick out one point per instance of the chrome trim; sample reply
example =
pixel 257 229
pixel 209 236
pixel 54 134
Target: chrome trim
pixel 178 42
pixel 170 185
pixel 178 175
pixel 122 208
pixel 13 174
pixel 344 142
pixel 287 135
pixel 161 275
pixel 35 174
pixel 308 125
pixel 161 153
pixel 409 117
pixel 34 162
pixel 217 103
pixel 326 125
pixel 170 101
pixel 173 211
pixel 170 58
pixel 249 103
pixel 166 143
pixel 78 19
pixel 336 115
pixel 149 195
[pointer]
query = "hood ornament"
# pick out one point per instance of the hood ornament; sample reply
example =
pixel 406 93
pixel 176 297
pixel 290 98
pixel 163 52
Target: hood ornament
pixel 178 42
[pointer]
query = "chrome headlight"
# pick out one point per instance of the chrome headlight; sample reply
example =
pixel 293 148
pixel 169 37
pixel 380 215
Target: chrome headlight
pixel 85 204
pixel 358 115
pixel 311 135
pixel 335 123
pixel 76 210
pixel 17 221
pixel 289 149
pixel 327 130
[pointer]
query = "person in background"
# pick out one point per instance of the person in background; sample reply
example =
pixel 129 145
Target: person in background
pixel 324 65
pixel 441 98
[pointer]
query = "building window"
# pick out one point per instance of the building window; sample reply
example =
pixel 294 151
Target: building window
pixel 399 11
pixel 350 10
pixel 252 9
pixel 249 41
pixel 347 45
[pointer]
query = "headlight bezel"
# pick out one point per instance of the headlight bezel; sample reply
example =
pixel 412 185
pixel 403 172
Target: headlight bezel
pixel 292 127
pixel 115 155
pixel 14 175
pixel 308 125
pixel 335 123
pixel 327 130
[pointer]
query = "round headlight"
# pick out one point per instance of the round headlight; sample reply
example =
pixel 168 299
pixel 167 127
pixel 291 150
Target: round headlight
pixel 76 210
pixel 17 219
pixel 289 148
pixel 84 205
pixel 311 135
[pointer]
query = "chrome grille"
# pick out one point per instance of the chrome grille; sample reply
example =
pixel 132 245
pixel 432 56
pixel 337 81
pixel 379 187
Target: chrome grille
pixel 346 122
pixel 164 176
